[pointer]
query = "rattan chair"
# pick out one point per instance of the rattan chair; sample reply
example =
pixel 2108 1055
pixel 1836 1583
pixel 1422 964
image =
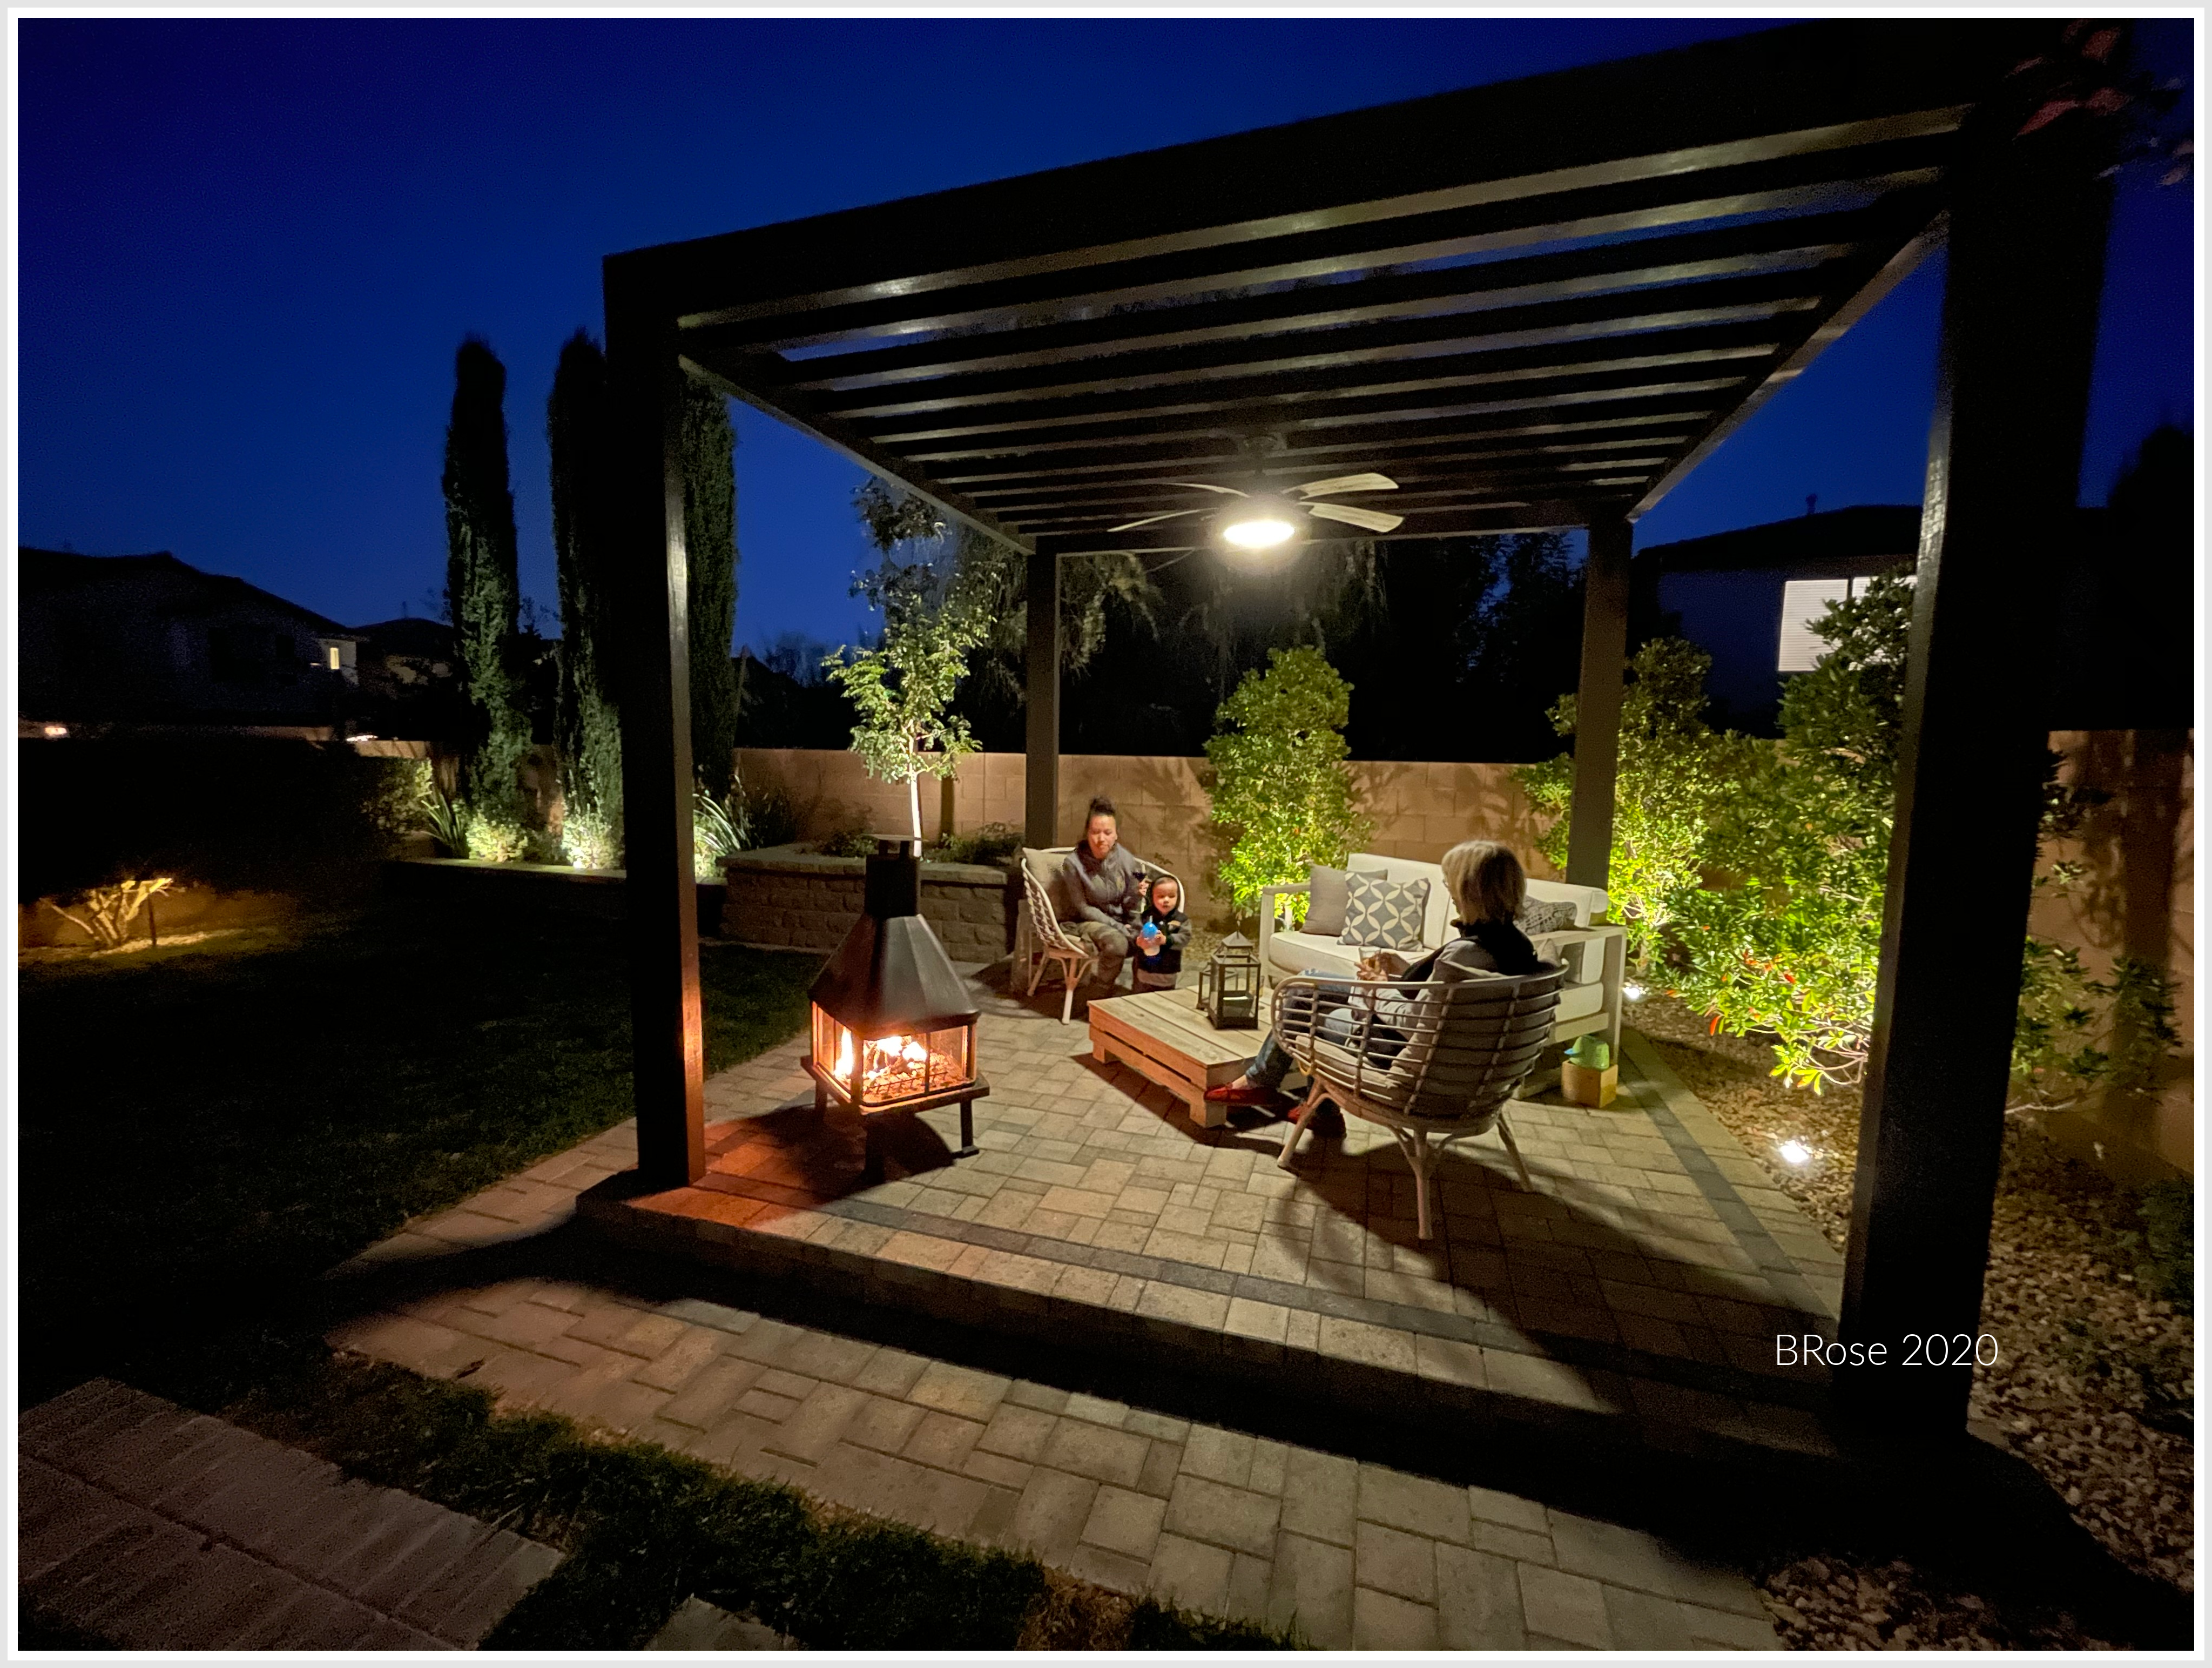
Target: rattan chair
pixel 1433 1061
pixel 1049 945
pixel 1040 940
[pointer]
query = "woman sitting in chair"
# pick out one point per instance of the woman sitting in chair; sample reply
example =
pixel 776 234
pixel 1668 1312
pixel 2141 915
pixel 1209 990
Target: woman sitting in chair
pixel 1103 884
pixel 1487 887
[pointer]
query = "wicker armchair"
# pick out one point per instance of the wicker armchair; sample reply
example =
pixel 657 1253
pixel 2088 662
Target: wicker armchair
pixel 1039 940
pixel 1433 1062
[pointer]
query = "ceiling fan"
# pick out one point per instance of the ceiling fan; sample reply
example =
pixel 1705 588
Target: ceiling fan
pixel 1269 521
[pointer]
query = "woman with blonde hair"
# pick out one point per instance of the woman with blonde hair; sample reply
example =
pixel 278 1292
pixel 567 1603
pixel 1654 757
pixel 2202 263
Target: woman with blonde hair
pixel 1488 887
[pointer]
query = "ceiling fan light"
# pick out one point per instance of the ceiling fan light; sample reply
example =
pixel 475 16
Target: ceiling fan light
pixel 1258 533
pixel 1258 524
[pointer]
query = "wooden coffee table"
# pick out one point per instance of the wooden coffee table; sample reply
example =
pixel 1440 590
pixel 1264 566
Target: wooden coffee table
pixel 1162 1036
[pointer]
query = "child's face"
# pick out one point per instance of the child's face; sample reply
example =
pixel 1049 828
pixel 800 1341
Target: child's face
pixel 1166 895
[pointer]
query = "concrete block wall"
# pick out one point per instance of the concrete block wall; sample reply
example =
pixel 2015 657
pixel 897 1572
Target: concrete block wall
pixel 1419 810
pixel 784 896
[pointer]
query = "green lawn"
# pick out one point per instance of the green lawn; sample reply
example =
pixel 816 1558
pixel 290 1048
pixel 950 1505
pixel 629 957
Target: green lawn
pixel 203 1127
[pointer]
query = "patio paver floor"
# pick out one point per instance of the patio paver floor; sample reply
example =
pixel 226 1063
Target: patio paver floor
pixel 1642 1282
pixel 1092 1198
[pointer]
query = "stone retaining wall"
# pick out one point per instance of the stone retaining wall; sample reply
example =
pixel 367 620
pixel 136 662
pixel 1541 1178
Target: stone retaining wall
pixel 789 896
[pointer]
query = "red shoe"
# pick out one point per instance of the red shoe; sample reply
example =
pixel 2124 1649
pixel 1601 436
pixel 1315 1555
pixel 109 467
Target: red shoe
pixel 1240 1094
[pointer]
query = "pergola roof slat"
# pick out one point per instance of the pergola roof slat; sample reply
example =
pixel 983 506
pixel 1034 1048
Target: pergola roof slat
pixel 1565 290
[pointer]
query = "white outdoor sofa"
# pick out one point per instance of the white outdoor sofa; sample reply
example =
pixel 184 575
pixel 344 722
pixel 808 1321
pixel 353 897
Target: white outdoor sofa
pixel 1592 953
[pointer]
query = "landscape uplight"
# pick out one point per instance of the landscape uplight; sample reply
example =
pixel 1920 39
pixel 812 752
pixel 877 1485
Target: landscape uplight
pixel 1795 1153
pixel 1633 992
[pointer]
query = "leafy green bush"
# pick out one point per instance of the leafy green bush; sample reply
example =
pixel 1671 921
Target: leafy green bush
pixel 992 843
pixel 716 833
pixel 1282 798
pixel 852 841
pixel 769 816
pixel 1673 770
pixel 589 839
pixel 492 838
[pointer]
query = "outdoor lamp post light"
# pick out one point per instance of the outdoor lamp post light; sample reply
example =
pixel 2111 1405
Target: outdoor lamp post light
pixel 1229 985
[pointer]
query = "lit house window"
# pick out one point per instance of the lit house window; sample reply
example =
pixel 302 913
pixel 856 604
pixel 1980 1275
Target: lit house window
pixel 335 656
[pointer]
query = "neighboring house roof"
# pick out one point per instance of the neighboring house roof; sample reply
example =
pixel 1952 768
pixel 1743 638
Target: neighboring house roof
pixel 1818 541
pixel 409 635
pixel 52 572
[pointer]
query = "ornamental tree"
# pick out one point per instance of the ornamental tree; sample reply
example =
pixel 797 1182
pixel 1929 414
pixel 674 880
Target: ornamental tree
pixel 482 594
pixel 1282 797
pixel 587 726
pixel 903 687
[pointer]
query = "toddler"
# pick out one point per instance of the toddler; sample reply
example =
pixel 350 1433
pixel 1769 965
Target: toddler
pixel 1162 932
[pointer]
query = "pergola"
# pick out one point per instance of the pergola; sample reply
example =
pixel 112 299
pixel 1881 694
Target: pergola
pixel 1533 305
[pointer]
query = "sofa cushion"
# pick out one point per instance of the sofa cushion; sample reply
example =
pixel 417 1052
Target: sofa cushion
pixel 1296 952
pixel 1540 915
pixel 1325 901
pixel 1435 920
pixel 1384 915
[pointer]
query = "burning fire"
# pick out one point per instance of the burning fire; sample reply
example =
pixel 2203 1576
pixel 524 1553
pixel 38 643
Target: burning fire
pixel 899 1064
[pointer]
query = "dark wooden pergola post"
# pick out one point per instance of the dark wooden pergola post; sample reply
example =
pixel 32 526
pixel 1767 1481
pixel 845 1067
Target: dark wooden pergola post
pixel 1041 795
pixel 2028 221
pixel 1597 698
pixel 666 1036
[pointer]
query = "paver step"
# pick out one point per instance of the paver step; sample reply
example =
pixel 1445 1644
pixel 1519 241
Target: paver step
pixel 160 1529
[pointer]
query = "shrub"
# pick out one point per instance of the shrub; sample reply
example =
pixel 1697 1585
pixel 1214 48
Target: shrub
pixel 105 913
pixel 1282 798
pixel 769 816
pixel 1673 770
pixel 493 839
pixel 589 839
pixel 716 833
pixel 992 843
pixel 850 842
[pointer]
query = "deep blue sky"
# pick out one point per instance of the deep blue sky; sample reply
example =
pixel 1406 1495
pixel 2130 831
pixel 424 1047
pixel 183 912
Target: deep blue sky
pixel 248 250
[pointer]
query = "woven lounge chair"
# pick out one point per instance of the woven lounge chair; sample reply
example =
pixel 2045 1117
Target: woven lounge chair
pixel 1040 940
pixel 1433 1061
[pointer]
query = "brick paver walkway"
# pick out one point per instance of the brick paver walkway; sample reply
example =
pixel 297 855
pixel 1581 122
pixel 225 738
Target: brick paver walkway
pixel 159 1529
pixel 1360 1554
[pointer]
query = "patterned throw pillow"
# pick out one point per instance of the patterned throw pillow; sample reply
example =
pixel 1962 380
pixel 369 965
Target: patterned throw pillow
pixel 1383 914
pixel 1538 917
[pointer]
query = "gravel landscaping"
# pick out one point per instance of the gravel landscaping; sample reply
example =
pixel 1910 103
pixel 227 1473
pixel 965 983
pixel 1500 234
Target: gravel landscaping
pixel 2095 1383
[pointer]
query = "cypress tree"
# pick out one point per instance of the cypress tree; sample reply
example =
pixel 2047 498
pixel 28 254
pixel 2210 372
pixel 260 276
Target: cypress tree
pixel 482 591
pixel 588 728
pixel 710 540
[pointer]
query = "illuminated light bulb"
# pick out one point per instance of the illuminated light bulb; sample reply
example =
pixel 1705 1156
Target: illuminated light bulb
pixel 1261 526
pixel 1258 533
pixel 1795 1153
pixel 1633 992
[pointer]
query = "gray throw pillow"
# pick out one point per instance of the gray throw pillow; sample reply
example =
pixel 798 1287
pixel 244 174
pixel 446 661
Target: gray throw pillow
pixel 1383 914
pixel 1325 903
pixel 1539 917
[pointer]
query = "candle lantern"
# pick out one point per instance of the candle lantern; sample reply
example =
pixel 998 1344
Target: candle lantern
pixel 1229 985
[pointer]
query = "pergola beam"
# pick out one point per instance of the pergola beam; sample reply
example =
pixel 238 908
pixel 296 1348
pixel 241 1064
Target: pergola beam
pixel 2026 273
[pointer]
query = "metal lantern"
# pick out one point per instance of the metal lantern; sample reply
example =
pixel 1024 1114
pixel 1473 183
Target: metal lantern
pixel 1229 985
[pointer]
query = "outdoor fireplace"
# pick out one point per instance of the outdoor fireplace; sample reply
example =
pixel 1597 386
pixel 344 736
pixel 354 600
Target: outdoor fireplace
pixel 894 1026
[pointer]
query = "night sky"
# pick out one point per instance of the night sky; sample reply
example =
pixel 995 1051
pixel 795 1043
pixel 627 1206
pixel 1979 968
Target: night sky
pixel 248 250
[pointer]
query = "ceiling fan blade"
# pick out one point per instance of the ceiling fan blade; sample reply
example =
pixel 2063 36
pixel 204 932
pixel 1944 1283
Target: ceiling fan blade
pixel 1126 526
pixel 1373 520
pixel 1369 483
pixel 1208 486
